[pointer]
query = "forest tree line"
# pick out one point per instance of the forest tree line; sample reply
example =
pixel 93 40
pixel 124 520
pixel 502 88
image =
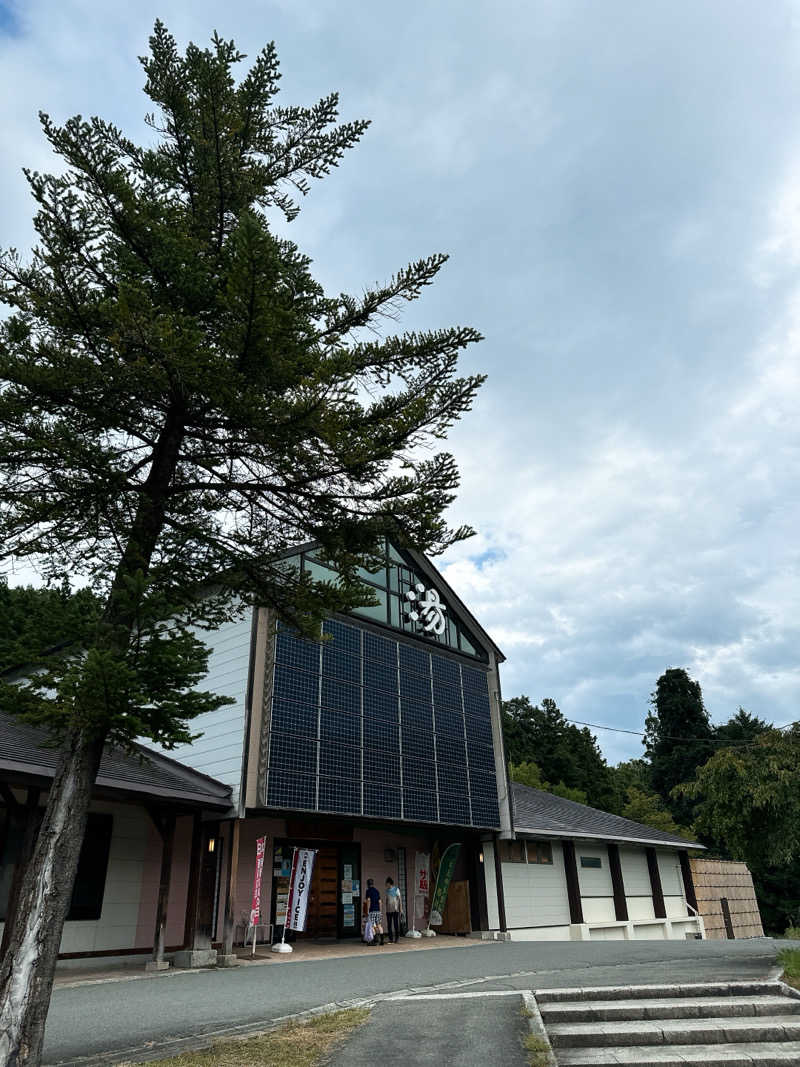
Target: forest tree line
pixel 734 786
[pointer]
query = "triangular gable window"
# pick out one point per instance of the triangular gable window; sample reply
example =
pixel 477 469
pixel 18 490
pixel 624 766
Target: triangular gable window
pixel 407 600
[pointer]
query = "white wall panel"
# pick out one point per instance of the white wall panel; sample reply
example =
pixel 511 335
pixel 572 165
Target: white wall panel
pixel 670 870
pixel 219 751
pixel 536 893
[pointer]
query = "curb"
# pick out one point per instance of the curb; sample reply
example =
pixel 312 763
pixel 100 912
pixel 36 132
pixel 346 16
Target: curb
pixel 536 1025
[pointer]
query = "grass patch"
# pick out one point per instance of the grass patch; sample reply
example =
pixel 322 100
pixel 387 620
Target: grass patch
pixel 538 1050
pixel 294 1045
pixel 789 958
pixel 793 933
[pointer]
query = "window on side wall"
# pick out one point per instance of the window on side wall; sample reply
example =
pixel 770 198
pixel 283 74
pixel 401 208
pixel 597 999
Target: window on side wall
pixel 540 852
pixel 512 851
pixel 591 861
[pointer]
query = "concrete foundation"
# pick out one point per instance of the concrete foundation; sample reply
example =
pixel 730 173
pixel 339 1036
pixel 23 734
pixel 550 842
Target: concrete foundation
pixel 201 957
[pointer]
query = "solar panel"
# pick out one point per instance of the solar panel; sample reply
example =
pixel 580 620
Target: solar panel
pixel 340 712
pixel 381 800
pixel 338 796
pixel 446 696
pixel 446 670
pixel 299 686
pixel 454 809
pixel 338 760
pixel 382 676
pixel 419 805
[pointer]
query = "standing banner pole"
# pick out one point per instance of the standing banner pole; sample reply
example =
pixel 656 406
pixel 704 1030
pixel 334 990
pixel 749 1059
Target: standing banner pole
pixel 447 866
pixel 281 946
pixel 255 904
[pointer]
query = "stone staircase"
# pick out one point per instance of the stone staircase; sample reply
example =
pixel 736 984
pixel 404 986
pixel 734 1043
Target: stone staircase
pixel 711 1023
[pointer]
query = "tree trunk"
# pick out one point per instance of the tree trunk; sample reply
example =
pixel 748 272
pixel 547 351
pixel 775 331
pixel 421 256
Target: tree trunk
pixel 26 816
pixel 26 977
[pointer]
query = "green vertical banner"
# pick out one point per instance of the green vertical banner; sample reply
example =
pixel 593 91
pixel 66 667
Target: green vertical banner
pixel 447 864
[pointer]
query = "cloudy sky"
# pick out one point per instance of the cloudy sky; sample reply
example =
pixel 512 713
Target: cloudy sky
pixel 618 185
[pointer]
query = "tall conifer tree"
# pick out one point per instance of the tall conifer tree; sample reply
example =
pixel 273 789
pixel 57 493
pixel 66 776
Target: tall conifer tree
pixel 678 738
pixel 180 402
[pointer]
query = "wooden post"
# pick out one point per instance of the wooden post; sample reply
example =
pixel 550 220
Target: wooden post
pixel 573 885
pixel 659 909
pixel 688 881
pixel 165 824
pixel 193 891
pixel 501 897
pixel 617 883
pixel 232 878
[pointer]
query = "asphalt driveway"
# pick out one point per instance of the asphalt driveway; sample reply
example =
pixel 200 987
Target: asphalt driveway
pixel 109 1021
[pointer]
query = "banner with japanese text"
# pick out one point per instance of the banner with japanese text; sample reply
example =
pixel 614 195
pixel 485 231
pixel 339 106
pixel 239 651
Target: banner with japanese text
pixel 255 907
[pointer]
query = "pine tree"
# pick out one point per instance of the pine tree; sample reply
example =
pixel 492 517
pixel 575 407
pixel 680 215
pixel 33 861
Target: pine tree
pixel 180 403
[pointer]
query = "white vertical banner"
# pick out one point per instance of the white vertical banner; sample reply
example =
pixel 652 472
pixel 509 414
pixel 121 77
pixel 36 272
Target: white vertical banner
pixel 422 885
pixel 300 887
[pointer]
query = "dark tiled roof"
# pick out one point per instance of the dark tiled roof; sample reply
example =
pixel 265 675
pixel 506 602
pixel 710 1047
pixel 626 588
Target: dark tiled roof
pixel 151 774
pixel 536 812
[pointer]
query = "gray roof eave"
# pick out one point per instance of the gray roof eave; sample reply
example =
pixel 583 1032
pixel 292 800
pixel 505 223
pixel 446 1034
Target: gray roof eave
pixel 562 834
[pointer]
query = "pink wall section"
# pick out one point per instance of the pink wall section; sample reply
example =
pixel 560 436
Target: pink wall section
pixel 179 883
pixel 252 829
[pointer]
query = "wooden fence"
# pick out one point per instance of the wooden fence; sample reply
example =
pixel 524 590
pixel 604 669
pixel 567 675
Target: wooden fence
pixel 726 899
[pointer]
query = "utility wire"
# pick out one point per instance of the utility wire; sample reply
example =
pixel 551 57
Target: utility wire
pixel 668 737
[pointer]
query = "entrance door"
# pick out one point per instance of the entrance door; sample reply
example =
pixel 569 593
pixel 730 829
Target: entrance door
pixel 323 902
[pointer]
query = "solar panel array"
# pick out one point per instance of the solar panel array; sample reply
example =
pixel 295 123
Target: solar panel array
pixel 366 725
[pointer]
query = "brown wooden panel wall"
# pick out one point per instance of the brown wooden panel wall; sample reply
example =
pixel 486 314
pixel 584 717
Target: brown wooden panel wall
pixel 718 879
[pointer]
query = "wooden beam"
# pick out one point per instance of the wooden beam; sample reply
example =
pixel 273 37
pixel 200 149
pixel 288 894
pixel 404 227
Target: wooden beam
pixel 231 882
pixel 688 881
pixel 573 885
pixel 659 909
pixel 501 897
pixel 617 883
pixel 166 827
pixel 193 891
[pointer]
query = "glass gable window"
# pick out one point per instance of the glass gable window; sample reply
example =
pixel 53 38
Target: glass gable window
pixel 368 725
pixel 391 583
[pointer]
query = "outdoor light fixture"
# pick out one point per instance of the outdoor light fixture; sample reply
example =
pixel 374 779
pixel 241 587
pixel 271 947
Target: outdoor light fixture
pixel 212 844
pixel 480 856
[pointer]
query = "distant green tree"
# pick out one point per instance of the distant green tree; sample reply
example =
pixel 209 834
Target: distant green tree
pixel 566 754
pixel 741 727
pixel 747 799
pixel 648 808
pixel 35 619
pixel 678 739
pixel 528 773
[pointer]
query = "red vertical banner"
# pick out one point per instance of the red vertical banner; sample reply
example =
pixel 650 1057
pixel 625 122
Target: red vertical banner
pixel 255 907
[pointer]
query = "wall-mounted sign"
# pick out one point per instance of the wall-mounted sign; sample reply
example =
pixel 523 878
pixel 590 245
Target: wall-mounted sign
pixel 426 609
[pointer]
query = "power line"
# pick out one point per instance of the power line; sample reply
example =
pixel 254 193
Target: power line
pixel 668 737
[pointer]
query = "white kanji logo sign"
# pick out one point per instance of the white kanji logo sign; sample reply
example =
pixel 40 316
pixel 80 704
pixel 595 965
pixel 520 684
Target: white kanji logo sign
pixel 425 607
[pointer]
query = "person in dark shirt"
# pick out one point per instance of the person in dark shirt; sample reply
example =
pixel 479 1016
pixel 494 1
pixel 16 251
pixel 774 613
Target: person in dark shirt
pixel 374 910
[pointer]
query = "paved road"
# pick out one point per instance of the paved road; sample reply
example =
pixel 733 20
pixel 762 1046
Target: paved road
pixel 105 1020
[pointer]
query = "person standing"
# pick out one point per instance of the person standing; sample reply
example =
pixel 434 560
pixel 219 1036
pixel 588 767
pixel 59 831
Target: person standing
pixel 394 905
pixel 373 899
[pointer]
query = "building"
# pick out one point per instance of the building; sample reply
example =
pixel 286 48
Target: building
pixel 378 744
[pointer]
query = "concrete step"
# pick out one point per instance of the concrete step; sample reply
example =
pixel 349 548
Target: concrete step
pixel 764 1028
pixel 766 1055
pixel 716 1007
pixel 646 992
